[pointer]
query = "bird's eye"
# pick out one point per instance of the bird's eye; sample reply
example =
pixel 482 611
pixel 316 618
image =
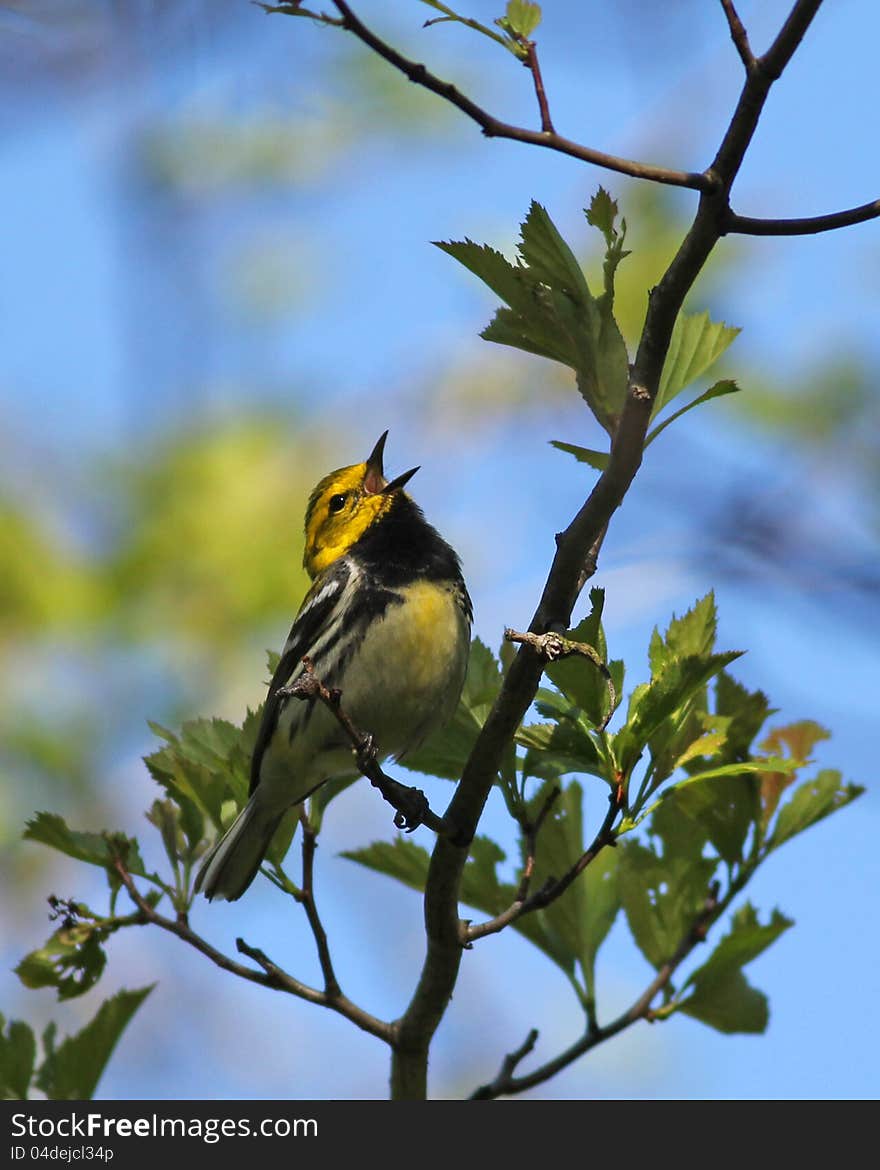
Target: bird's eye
pixel 337 503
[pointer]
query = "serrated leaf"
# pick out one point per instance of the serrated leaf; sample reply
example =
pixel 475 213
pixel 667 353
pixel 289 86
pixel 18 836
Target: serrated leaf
pixel 551 311
pixel 602 213
pixel 71 1071
pixel 536 334
pixel 811 802
pixel 18 1050
pixel 725 807
pixel 549 257
pixel 612 364
pixel 719 390
pixel 576 676
pixel 691 634
pixel 753 768
pixel 401 859
pixel 653 706
pixel 798 739
pixel 595 459
pixel 664 893
pixel 493 268
pixel 564 746
pixel 746 939
pixel 95 848
pixel 719 992
pixel 746 711
pixel 703 747
pixel 696 344
pixel 203 766
pixel 729 1005
pixel 601 904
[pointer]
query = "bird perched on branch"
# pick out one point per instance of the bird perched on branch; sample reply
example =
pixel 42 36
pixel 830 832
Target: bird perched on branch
pixel 386 622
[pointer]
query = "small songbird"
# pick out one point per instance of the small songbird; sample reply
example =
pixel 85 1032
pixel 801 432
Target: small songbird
pixel 386 622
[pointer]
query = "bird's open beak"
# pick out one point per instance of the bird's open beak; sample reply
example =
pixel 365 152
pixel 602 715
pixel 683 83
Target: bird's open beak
pixel 374 478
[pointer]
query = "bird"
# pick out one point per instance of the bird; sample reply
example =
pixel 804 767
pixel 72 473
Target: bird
pixel 386 622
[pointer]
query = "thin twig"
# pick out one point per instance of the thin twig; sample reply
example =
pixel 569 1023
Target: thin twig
pixel 271 975
pixel 506 1084
pixel 530 833
pixel 410 803
pixel 531 63
pixel 307 896
pixel 556 887
pixel 494 128
pixel 738 35
pixel 807 226
pixel 553 646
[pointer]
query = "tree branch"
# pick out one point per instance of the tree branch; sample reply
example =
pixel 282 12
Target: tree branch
pixel 506 1084
pixel 531 63
pixel 493 127
pixel 738 35
pixel 307 897
pixel 807 226
pixel 271 975
pixel 552 646
pixel 552 890
pixel 443 927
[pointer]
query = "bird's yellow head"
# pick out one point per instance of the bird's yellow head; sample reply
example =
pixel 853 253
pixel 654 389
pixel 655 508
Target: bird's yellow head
pixel 344 505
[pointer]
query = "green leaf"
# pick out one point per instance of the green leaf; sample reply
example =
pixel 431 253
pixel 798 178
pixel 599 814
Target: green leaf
pixel 756 768
pixel 18 1050
pixel 717 391
pixel 564 747
pixel 720 995
pixel 729 1005
pixel 746 939
pixel 657 707
pixel 203 767
pixel 691 634
pixel 595 459
pixel 549 257
pixel 663 893
pixel 495 270
pixel 401 859
pixel 601 902
pixel 725 808
pixel 696 344
pixel 746 711
pixel 95 848
pixel 72 960
pixel 551 311
pixel 579 679
pixel 811 802
pixel 71 1072
pixel 522 17
pixel 602 214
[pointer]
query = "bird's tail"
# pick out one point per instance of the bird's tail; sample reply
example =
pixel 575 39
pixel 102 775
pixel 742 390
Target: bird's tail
pixel 232 864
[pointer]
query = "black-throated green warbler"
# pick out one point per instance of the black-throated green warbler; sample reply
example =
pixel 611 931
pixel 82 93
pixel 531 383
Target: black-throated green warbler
pixel 386 622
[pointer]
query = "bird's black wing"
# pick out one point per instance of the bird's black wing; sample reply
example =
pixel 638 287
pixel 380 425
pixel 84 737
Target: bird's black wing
pixel 314 614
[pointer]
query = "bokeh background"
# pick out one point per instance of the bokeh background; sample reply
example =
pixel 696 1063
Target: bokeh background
pixel 218 284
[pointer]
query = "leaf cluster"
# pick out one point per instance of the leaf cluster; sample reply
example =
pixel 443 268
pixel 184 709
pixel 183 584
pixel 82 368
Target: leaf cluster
pixel 551 311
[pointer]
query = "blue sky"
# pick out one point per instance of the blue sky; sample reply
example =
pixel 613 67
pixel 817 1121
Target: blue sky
pixel 104 318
